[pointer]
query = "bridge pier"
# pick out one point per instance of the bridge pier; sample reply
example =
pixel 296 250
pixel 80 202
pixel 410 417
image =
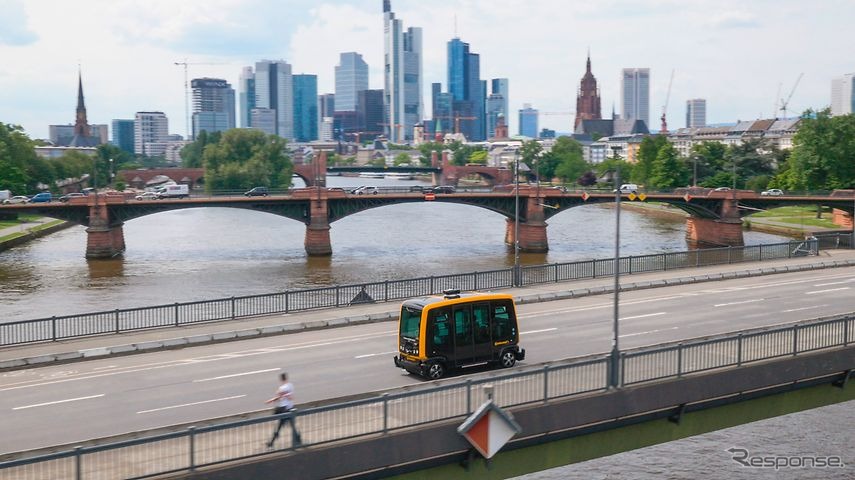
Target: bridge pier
pixel 707 231
pixel 317 241
pixel 104 239
pixel 533 238
pixel 842 218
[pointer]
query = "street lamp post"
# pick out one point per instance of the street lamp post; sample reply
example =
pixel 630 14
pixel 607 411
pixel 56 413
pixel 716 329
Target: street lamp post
pixel 614 379
pixel 111 172
pixel 516 218
pixel 695 171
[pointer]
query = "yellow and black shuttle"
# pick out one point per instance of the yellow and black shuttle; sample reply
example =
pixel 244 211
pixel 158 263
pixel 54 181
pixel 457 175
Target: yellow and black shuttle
pixel 440 333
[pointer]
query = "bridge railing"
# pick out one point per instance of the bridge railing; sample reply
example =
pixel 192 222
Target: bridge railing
pixel 195 447
pixel 185 313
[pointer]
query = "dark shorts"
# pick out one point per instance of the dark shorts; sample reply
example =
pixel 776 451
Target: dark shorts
pixel 278 410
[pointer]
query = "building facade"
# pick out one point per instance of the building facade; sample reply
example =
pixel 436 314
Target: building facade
pixel 369 114
pixel 635 93
pixel 305 108
pixel 151 132
pixel 213 105
pixel 696 113
pixel 274 90
pixel 843 94
pixel 123 134
pixel 467 91
pixel 351 77
pixel 528 121
pixel 246 96
pixel 587 98
pixel 402 76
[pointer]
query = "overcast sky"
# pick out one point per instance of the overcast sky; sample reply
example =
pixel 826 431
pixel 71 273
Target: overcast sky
pixel 739 55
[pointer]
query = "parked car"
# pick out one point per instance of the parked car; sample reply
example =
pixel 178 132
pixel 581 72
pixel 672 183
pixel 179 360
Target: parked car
pixel 722 189
pixel 257 192
pixel 175 191
pixel 444 189
pixel 560 188
pixel 43 197
pixel 773 192
pixel 367 190
pixel 417 189
pixel 16 199
pixel 148 196
pixel 69 196
pixel 356 189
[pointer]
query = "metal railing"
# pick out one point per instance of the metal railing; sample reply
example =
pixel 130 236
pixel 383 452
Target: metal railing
pixel 195 447
pixel 184 313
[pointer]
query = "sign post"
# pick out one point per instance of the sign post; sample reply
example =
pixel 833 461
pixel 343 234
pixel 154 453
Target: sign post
pixel 489 429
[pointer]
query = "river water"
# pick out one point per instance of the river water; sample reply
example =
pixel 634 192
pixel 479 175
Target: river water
pixel 205 253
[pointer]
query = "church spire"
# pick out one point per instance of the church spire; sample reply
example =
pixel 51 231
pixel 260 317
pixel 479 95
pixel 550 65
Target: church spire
pixel 81 124
pixel 589 60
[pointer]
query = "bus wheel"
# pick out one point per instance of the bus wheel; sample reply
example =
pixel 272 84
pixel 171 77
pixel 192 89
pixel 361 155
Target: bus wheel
pixel 508 359
pixel 435 371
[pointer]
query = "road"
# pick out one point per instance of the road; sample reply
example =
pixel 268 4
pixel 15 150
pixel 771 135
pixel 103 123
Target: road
pixel 73 402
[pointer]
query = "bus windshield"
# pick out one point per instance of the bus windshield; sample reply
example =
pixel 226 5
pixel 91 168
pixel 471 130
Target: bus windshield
pixel 410 320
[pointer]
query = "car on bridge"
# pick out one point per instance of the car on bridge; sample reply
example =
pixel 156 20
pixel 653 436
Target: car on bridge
pixel 444 189
pixel 69 196
pixel 17 199
pixel 366 190
pixel 148 196
pixel 43 197
pixel 773 192
pixel 257 192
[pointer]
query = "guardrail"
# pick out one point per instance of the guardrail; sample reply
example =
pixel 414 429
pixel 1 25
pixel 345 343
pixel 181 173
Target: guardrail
pixel 176 314
pixel 196 447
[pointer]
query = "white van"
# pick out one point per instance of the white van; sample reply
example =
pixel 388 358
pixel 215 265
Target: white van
pixel 174 191
pixel 628 188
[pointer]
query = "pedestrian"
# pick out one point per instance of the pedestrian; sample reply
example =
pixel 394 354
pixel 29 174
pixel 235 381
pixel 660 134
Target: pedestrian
pixel 284 403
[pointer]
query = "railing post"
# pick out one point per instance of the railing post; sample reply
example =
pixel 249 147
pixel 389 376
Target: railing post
pixel 78 462
pixel 679 360
pixel 337 290
pixel 233 307
pixel 386 290
pixel 739 350
pixel 468 396
pixel 795 339
pixel 664 262
pixel 53 328
pixel 545 383
pixel 845 331
pixel 192 431
pixel 729 254
pixel 116 318
pixel 629 262
pixel 286 301
pixel 431 286
pixel 385 396
pixel 176 313
pixel 475 281
pixel 556 271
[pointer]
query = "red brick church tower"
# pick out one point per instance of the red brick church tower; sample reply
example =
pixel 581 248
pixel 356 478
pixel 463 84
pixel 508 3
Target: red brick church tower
pixel 587 98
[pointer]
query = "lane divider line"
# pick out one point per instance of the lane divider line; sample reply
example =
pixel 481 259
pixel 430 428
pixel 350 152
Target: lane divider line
pixel 739 303
pixel 826 291
pixel 803 308
pixel 375 354
pixel 235 375
pixel 58 401
pixel 647 332
pixel 190 404
pixel 644 316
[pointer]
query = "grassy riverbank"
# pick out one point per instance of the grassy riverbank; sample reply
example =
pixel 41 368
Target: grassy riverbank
pixel 26 226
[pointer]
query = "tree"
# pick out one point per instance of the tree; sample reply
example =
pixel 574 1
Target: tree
pixel 823 150
pixel 191 154
pixel 16 157
pixel 710 161
pixel 426 150
pixel 479 157
pixel 402 159
pixel 565 161
pixel 647 153
pixel 668 170
pixel 244 158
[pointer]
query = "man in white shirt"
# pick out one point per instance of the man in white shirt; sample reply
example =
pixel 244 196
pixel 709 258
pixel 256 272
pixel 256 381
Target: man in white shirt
pixel 284 404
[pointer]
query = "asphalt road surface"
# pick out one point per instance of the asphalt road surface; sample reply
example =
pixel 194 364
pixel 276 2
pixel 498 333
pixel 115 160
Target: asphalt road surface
pixel 69 403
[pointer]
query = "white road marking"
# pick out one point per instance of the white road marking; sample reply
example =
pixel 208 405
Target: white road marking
pixel 826 291
pixel 831 283
pixel 375 354
pixel 235 375
pixel 644 316
pixel 647 332
pixel 539 331
pixel 803 308
pixel 739 303
pixel 58 401
pixel 190 404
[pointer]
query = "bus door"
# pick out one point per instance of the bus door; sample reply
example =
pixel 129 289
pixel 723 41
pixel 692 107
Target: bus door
pixel 440 342
pixel 482 344
pixel 463 351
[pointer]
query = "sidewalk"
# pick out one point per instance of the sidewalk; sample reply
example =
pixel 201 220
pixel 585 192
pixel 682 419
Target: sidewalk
pixel 143 341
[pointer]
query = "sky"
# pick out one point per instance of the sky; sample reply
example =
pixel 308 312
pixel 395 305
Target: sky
pixel 743 57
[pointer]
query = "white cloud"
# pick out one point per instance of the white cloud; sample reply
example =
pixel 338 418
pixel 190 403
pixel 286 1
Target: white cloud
pixel 13 24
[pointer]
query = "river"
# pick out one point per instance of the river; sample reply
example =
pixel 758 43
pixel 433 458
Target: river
pixel 205 253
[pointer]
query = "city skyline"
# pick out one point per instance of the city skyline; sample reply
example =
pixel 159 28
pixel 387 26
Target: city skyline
pixel 127 54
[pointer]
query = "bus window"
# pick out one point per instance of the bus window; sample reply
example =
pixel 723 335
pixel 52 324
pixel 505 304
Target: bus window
pixel 441 337
pixel 462 327
pixel 504 325
pixel 481 314
pixel 410 320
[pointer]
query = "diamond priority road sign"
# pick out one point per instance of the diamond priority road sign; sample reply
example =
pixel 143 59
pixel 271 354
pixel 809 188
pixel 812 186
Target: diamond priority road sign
pixel 489 429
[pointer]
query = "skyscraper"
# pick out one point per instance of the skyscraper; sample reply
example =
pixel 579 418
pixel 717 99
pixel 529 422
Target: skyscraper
pixel 467 91
pixel 351 77
pixel 274 90
pixel 305 107
pixel 497 105
pixel 402 90
pixel 696 113
pixel 326 109
pixel 587 97
pixel 843 94
pixel 635 92
pixel 123 134
pixel 369 113
pixel 528 121
pixel 213 105
pixel 246 96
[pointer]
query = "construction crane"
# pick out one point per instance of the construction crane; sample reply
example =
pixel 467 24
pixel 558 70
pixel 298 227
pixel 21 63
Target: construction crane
pixel 185 63
pixel 786 102
pixel 664 128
